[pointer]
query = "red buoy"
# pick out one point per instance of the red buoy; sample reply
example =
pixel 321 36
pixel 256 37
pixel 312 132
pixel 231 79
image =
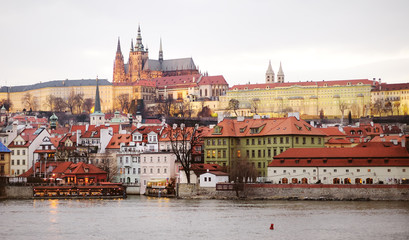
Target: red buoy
pixel 272 227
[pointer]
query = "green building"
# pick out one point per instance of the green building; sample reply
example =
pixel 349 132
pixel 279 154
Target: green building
pixel 258 140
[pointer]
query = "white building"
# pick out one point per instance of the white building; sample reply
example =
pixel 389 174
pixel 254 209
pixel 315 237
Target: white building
pixel 157 165
pixel 210 179
pixel 22 149
pixel 368 163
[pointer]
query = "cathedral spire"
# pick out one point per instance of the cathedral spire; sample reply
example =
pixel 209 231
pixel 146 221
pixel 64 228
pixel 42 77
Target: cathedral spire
pixel 160 51
pixel 139 45
pixel 269 73
pixel 131 45
pixel 97 107
pixel 118 48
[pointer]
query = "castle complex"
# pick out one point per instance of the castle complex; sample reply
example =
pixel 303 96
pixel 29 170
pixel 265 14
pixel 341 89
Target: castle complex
pixel 139 65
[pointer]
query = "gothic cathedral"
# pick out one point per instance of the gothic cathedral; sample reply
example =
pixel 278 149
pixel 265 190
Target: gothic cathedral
pixel 139 65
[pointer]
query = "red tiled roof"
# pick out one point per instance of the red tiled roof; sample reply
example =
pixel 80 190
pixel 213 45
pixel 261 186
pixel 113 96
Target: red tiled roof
pixel 392 86
pixel 117 139
pixel 142 82
pixel 213 80
pixel 362 155
pixel 74 128
pixel 172 82
pixel 289 84
pixel 152 121
pixel 399 139
pixel 97 130
pixel 332 132
pixel 268 126
pixel 28 136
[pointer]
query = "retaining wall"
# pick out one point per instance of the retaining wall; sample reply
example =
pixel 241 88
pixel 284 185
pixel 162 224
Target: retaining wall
pixel 305 192
pixel 17 192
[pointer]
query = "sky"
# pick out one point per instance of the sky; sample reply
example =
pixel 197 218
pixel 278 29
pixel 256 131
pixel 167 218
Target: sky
pixel 313 39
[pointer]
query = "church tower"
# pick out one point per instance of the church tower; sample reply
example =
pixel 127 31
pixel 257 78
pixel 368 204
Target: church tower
pixel 97 117
pixel 137 59
pixel 280 75
pixel 269 73
pixel 119 66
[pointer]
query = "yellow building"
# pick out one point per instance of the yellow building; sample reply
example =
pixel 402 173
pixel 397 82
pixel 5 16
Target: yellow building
pixel 4 160
pixel 38 95
pixel 390 99
pixel 307 98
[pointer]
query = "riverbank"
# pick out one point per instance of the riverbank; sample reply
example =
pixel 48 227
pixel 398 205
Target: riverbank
pixel 326 192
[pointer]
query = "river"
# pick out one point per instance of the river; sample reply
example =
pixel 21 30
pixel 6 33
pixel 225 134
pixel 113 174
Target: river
pixel 139 217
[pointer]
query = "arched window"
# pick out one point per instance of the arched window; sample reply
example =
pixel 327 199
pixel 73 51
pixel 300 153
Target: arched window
pixel 284 180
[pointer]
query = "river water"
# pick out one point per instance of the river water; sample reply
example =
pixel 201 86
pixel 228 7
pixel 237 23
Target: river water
pixel 139 217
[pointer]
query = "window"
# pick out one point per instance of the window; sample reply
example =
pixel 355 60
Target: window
pixel 275 140
pixel 224 153
pixel 2 157
pixel 219 154
pixel 134 170
pixel 389 170
pixel 158 170
pixel 253 141
pixel 325 170
pixel 259 153
pixel 294 171
pixel 404 170
pixel 210 179
pixel 120 159
pixel 369 170
pixel 144 170
pixel 208 153
pixel 23 152
pixel 281 140
pixel 253 153
pixel 346 170
pixel 165 170
pixel 296 140
pixel 312 140
pixel 151 170
pixel 139 170
pixel 319 140
pixel 304 140
pixel 12 162
pixel 18 152
pixel 304 170
pixel 268 152
pixel 18 162
pixel 213 153
pixel 238 154
pixel 287 140
pixel 358 170
pixel 335 170
pixel 248 141
pixel 259 165
pixel 24 162
pixel 269 140
pixel 284 171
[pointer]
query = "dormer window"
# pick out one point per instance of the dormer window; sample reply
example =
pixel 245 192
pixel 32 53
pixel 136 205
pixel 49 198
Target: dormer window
pixel 217 130
pixel 86 170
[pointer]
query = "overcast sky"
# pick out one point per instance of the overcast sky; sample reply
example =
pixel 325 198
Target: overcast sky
pixel 314 40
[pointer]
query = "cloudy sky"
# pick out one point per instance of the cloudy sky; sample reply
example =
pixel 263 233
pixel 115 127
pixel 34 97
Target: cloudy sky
pixel 314 40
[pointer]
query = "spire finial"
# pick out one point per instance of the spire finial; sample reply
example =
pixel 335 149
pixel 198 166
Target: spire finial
pixel 97 107
pixel 118 48
pixel 131 45
pixel 139 45
pixel 160 51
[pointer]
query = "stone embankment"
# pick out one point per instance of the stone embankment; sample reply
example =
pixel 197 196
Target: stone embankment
pixel 301 192
pixel 16 192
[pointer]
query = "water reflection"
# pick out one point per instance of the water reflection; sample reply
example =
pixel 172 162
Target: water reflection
pixel 164 218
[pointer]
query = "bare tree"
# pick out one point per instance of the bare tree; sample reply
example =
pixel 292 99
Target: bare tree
pixel 234 105
pixel 109 165
pixel 79 100
pixel 124 102
pixel 205 112
pixel 74 100
pixel 255 103
pixel 59 104
pixel 29 101
pixel 88 104
pixel 166 107
pixel 50 102
pixel 6 103
pixel 242 171
pixel 183 140
pixel 342 107
pixel 378 106
pixel 396 106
